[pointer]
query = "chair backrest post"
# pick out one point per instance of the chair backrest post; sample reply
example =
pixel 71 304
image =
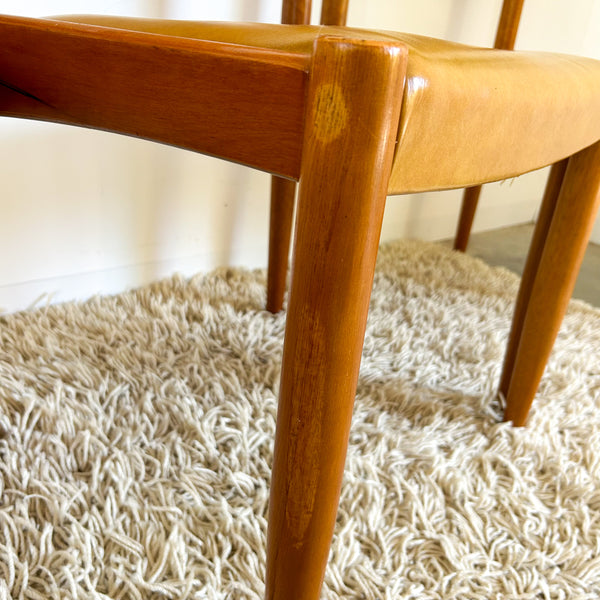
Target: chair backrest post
pixel 334 12
pixel 508 26
pixel 296 12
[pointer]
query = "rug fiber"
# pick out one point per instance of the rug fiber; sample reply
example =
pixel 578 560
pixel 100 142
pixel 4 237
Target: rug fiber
pixel 136 442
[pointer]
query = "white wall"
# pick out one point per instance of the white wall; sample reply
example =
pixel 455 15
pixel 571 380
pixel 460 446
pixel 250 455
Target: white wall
pixel 86 212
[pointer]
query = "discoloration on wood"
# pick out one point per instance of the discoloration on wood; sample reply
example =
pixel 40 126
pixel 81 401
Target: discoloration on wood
pixel 283 192
pixel 330 113
pixel 305 431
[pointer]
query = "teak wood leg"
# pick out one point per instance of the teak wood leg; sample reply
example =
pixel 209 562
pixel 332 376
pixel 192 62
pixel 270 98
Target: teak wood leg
pixel 542 227
pixel 554 278
pixel 296 12
pixel 283 193
pixel 353 112
pixel 467 214
pixel 334 12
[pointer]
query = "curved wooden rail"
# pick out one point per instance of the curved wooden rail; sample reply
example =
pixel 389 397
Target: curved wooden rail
pixel 168 89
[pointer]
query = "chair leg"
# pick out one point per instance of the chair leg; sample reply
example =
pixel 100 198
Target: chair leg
pixel 334 12
pixel 467 214
pixel 551 193
pixel 283 193
pixel 352 119
pixel 508 25
pixel 296 12
pixel 554 278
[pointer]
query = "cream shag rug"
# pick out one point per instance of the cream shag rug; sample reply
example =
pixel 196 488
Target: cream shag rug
pixel 137 437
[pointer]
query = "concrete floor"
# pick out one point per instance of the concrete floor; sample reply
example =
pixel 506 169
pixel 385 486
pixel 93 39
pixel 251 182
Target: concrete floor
pixel 508 248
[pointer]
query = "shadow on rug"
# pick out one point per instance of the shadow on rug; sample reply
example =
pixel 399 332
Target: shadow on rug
pixel 137 436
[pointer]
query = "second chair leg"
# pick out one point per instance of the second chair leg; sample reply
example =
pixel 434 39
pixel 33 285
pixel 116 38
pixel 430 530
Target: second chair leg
pixel 467 214
pixel 506 34
pixel 283 193
pixel 554 279
pixel 538 241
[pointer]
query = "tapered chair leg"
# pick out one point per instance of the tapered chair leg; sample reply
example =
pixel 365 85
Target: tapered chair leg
pixel 538 241
pixel 353 112
pixel 467 214
pixel 283 193
pixel 334 12
pixel 555 277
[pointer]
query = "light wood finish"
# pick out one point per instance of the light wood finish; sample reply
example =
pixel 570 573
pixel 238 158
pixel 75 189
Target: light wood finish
pixel 554 279
pixel 283 192
pixel 534 256
pixel 334 12
pixel 506 35
pixel 353 112
pixel 82 75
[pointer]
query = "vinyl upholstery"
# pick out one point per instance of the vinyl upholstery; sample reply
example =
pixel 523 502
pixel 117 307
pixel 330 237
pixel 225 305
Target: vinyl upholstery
pixel 470 115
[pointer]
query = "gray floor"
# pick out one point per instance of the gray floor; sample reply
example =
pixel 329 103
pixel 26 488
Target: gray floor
pixel 508 248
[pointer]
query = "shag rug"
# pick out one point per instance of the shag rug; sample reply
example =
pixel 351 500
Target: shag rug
pixel 137 439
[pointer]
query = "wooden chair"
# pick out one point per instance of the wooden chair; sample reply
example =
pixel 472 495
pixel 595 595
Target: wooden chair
pixel 352 115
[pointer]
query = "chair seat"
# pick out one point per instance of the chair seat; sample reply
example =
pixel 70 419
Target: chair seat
pixel 470 115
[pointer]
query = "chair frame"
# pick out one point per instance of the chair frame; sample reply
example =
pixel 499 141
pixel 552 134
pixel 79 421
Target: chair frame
pixel 138 84
pixel 283 191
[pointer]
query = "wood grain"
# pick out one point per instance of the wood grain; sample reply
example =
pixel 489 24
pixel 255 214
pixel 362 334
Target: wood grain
pixel 353 111
pixel 173 90
pixel 296 12
pixel 334 12
pixel 283 193
pixel 536 248
pixel 555 277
